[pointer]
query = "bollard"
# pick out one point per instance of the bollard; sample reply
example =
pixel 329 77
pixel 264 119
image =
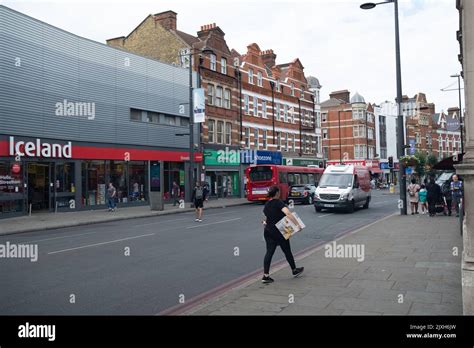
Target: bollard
pixel 30 209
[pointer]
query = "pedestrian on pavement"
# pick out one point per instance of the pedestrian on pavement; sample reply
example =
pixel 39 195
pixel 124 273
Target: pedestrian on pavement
pixel 413 189
pixel 198 199
pixel 111 195
pixel 434 196
pixel 275 210
pixel 456 189
pixel 175 193
pixel 422 196
pixel 447 195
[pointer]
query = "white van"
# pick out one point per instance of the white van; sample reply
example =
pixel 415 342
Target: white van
pixel 343 187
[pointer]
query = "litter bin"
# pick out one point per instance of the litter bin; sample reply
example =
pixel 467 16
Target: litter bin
pixel 392 188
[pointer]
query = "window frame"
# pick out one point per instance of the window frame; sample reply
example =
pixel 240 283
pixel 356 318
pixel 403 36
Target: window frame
pixel 227 98
pixel 224 65
pixel 209 132
pixel 250 76
pixel 221 133
pixel 213 62
pixel 219 99
pixel 228 133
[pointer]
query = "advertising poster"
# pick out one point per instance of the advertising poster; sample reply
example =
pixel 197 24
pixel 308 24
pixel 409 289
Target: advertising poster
pixel 199 103
pixel 155 176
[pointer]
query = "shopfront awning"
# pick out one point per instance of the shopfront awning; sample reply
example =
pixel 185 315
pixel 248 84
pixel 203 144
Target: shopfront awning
pixel 448 163
pixel 376 170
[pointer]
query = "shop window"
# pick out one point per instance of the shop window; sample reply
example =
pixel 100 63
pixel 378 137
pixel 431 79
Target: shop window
pixel 93 183
pixel 137 178
pixel 65 178
pixel 11 185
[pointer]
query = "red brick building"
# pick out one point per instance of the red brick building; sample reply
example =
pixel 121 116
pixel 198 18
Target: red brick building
pixel 348 127
pixel 420 127
pixel 448 133
pixel 239 110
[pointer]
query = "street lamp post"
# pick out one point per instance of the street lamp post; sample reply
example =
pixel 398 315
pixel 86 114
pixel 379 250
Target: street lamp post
pixel 400 120
pixel 461 121
pixel 190 55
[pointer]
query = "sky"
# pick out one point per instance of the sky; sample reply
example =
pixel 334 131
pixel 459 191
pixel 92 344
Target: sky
pixel 344 46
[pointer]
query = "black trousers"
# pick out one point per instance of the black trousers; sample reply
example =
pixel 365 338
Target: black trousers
pixel 273 240
pixel 449 203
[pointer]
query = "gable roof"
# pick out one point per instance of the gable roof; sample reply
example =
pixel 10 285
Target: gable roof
pixel 332 102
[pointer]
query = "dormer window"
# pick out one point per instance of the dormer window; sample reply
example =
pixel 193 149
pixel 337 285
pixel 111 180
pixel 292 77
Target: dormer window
pixel 259 79
pixel 250 74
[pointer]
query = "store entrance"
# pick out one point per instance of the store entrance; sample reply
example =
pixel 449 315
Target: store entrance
pixel 39 191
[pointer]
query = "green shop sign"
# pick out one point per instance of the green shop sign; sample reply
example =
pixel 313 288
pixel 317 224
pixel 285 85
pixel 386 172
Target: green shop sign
pixel 221 157
pixel 301 162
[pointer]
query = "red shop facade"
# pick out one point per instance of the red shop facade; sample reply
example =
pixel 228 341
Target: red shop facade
pixel 56 175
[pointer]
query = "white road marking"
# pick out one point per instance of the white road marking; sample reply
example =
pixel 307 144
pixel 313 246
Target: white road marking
pixel 214 223
pixel 321 216
pixel 97 244
pixel 42 240
pixel 182 219
pixel 377 203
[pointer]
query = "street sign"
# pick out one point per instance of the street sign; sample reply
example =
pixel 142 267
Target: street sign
pixel 412 143
pixel 199 105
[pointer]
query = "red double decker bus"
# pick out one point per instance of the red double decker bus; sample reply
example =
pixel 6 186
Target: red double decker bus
pixel 261 177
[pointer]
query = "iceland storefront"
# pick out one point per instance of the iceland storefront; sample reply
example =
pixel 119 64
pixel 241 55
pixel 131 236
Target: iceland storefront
pixel 76 114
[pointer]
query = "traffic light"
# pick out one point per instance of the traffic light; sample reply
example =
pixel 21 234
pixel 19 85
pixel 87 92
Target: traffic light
pixel 390 162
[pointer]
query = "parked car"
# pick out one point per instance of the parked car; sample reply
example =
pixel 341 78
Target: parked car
pixel 343 187
pixel 302 193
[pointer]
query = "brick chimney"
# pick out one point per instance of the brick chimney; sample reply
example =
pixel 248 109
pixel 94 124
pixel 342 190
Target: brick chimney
pixel 208 28
pixel 268 58
pixel 167 19
pixel 342 95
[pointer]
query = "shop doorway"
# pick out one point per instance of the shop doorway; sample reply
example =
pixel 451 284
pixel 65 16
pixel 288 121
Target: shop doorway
pixel 39 188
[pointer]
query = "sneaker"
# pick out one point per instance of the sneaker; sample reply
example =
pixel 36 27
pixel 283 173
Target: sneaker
pixel 200 220
pixel 297 271
pixel 197 220
pixel 267 280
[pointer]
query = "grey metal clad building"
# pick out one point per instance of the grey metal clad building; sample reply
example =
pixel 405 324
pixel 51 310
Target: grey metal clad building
pixel 110 111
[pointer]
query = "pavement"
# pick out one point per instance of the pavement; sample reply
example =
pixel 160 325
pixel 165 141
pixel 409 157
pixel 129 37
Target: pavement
pixel 47 220
pixel 411 266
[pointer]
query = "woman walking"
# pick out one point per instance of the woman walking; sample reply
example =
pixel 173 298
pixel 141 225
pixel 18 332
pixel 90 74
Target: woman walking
pixel 413 190
pixel 433 196
pixel 274 211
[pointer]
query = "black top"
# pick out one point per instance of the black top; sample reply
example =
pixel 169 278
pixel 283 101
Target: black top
pixel 273 214
pixel 434 192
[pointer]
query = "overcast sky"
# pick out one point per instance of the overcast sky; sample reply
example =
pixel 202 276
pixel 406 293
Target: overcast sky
pixel 342 45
